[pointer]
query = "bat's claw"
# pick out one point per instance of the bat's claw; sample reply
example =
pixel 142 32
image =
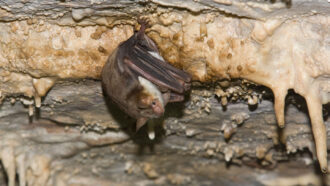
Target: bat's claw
pixel 144 21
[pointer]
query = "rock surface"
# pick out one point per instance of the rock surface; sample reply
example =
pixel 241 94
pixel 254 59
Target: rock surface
pixel 75 140
pixel 283 45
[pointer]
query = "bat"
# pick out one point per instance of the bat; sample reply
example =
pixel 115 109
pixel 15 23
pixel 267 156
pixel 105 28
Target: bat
pixel 138 79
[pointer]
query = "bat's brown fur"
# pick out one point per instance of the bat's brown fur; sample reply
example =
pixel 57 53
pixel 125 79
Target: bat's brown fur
pixel 139 56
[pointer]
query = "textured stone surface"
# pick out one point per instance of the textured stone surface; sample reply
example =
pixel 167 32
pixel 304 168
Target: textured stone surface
pixel 190 148
pixel 279 44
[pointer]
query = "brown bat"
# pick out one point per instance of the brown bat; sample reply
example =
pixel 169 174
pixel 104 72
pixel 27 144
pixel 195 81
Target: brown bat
pixel 140 81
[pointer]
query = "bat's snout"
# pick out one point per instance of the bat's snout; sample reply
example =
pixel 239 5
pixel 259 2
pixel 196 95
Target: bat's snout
pixel 157 108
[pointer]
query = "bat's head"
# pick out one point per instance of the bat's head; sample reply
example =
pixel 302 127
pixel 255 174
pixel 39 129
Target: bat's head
pixel 150 100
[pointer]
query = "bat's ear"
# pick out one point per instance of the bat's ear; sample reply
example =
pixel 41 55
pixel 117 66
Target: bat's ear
pixel 140 122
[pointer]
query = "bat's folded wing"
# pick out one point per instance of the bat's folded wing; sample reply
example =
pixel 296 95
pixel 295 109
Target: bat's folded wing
pixel 156 70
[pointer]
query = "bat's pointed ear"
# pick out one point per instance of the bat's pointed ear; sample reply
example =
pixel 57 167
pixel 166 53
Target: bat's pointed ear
pixel 140 122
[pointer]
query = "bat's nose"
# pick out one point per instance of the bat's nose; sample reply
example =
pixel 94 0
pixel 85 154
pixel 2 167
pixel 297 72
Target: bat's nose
pixel 158 108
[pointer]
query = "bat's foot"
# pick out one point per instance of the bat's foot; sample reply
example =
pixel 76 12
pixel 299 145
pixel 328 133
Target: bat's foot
pixel 144 22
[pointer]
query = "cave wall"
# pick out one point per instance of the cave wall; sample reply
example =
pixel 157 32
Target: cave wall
pixel 282 45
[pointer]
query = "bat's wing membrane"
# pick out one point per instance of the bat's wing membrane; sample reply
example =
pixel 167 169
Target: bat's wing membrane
pixel 163 64
pixel 140 58
pixel 148 67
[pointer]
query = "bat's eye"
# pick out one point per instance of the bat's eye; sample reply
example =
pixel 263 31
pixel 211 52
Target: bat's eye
pixel 153 103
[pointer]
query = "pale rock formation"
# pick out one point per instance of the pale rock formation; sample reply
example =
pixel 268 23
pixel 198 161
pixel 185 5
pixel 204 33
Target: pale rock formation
pixel 281 46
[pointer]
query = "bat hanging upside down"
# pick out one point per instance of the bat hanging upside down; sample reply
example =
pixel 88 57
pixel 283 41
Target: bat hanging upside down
pixel 140 81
